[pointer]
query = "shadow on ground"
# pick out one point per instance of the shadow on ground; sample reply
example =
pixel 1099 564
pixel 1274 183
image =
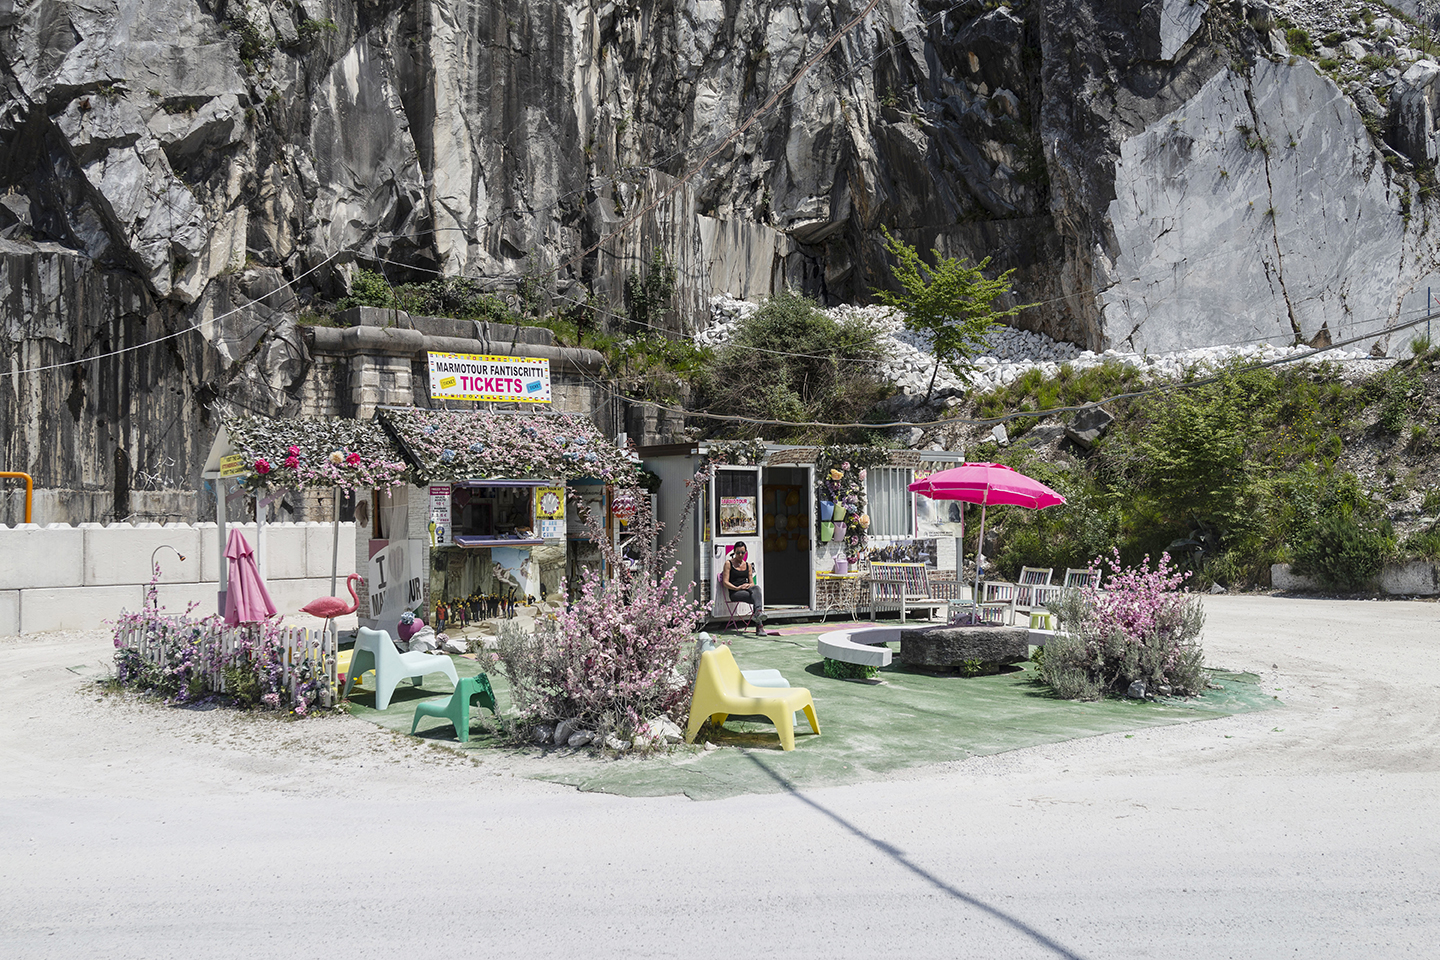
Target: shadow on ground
pixel 870 728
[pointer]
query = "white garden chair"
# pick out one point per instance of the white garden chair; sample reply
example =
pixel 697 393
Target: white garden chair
pixel 374 650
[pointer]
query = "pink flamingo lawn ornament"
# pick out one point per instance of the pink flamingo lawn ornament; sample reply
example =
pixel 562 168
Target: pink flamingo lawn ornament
pixel 332 607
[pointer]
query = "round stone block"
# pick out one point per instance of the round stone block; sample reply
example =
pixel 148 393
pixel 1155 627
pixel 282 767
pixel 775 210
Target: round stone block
pixel 944 647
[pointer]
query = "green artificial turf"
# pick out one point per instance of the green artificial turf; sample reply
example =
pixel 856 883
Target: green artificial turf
pixel 898 720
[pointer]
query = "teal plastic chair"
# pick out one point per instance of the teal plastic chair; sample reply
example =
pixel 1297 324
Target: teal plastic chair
pixel 374 650
pixel 457 708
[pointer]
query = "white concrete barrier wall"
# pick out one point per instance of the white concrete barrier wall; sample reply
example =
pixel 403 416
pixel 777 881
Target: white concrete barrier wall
pixel 9 612
pixel 1414 578
pixel 60 577
pixel 36 556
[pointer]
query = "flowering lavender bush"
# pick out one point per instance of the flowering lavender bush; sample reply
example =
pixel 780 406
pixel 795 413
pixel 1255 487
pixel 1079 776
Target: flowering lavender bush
pixel 616 656
pixel 183 659
pixel 177 661
pixel 1139 628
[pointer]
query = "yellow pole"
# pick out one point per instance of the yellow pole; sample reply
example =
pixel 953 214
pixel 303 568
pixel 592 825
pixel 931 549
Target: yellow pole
pixel 29 488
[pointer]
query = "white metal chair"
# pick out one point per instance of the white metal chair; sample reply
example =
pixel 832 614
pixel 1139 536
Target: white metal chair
pixel 1076 577
pixel 1031 578
pixel 997 602
pixel 374 650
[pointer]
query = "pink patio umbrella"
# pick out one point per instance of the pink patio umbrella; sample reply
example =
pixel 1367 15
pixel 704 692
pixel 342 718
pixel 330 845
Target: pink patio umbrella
pixel 246 600
pixel 986 483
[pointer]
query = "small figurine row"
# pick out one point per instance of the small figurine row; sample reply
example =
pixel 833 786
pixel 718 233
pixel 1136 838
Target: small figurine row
pixel 463 611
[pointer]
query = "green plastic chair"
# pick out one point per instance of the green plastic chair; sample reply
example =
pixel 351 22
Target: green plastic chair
pixel 457 708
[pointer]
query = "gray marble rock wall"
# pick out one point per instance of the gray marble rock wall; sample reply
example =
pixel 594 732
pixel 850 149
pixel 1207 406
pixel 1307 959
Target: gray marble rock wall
pixel 205 167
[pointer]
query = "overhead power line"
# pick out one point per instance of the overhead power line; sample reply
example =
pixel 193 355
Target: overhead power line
pixel 624 225
pixel 597 308
pixel 169 336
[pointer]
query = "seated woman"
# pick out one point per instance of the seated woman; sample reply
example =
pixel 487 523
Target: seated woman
pixel 739 580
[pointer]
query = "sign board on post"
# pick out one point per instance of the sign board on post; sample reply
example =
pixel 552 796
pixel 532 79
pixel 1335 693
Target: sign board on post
pixel 439 514
pixel 440 502
pixel 468 376
pixel 232 465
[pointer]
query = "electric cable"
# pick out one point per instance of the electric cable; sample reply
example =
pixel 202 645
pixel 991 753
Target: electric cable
pixel 171 336
pixel 596 309
pixel 763 110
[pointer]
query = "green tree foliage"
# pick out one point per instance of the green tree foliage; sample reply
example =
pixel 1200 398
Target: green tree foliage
pixel 462 298
pixel 951 301
pixel 1345 549
pixel 1229 476
pixel 648 297
pixel 789 361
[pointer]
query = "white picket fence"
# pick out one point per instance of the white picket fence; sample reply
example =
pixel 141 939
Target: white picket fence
pixel 299 646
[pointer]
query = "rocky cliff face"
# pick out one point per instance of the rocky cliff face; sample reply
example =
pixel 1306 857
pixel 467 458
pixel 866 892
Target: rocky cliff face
pixel 1161 174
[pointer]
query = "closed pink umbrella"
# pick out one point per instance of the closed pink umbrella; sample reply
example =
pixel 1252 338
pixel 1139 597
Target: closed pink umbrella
pixel 246 600
pixel 986 483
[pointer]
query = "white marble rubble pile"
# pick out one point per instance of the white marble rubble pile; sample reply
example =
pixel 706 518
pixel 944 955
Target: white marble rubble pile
pixel 908 363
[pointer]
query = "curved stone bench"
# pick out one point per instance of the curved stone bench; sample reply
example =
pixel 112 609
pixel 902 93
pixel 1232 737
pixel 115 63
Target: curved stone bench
pixel 854 646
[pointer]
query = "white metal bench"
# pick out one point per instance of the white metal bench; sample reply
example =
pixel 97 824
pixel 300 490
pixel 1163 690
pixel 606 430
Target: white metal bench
pixel 902 586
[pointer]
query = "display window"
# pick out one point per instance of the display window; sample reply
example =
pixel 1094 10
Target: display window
pixel 489 513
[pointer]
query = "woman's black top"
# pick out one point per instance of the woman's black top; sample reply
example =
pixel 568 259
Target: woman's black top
pixel 739 576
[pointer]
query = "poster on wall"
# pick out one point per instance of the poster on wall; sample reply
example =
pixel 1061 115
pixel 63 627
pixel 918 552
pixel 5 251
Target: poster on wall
pixel 937 518
pixel 393 582
pixel 737 517
pixel 550 512
pixel 468 376
pixel 587 502
pixel 513 572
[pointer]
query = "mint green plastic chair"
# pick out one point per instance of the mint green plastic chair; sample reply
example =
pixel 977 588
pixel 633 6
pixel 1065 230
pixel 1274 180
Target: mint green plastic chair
pixel 457 708
pixel 374 650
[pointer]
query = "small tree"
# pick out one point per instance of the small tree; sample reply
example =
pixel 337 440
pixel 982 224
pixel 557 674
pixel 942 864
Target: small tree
pixel 648 298
pixel 951 301
pixel 791 361
pixel 616 655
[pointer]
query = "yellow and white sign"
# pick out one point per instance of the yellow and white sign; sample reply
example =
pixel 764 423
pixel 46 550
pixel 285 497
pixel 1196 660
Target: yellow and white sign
pixel 232 465
pixel 550 512
pixel 467 376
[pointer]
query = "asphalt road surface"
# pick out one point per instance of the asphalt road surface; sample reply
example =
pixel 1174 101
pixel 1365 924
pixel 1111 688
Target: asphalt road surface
pixel 1311 830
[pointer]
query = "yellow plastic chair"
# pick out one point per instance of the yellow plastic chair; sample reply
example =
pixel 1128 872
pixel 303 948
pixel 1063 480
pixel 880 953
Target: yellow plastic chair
pixel 721 690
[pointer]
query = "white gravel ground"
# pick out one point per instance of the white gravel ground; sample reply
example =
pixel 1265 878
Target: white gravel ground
pixel 130 830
